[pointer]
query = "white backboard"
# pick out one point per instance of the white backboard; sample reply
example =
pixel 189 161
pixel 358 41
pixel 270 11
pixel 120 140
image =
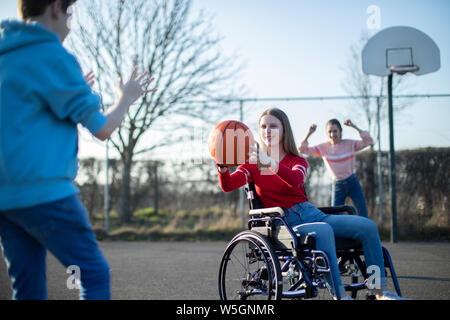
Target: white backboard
pixel 401 47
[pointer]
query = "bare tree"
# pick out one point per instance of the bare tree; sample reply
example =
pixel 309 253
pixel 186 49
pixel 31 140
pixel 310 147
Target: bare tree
pixel 181 53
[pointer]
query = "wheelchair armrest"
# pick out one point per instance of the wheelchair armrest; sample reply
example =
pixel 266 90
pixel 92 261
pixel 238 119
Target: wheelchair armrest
pixel 338 210
pixel 274 211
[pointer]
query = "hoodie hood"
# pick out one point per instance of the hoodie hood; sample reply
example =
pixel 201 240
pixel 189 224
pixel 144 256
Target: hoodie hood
pixel 16 34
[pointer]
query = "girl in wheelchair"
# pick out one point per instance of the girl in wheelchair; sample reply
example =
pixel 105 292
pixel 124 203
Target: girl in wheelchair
pixel 278 172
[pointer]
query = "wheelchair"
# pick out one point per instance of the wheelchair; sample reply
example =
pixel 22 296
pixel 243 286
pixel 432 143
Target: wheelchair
pixel 269 261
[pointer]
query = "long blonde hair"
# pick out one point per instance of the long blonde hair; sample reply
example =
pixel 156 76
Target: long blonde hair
pixel 288 137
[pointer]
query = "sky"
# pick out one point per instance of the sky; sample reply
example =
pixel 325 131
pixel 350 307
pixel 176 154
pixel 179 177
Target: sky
pixel 299 48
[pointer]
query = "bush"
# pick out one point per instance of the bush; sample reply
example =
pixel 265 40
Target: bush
pixel 197 209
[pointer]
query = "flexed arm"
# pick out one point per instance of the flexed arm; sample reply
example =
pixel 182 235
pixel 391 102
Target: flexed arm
pixel 365 136
pixel 304 146
pixel 311 130
pixel 350 124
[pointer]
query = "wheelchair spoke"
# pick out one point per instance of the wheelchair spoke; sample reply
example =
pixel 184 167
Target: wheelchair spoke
pixel 246 271
pixel 239 261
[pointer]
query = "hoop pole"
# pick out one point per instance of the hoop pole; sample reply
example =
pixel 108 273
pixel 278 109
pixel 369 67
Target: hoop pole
pixel 394 234
pixel 379 167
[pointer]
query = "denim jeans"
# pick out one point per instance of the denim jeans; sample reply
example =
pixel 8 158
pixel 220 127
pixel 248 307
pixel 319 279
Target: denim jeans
pixel 63 228
pixel 349 187
pixel 305 218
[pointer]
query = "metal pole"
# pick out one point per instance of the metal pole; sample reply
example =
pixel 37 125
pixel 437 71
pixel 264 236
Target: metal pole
pixel 156 190
pixel 242 192
pixel 380 176
pixel 107 188
pixel 394 236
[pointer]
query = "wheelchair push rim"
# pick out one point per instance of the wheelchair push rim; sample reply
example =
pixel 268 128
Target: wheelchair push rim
pixel 249 269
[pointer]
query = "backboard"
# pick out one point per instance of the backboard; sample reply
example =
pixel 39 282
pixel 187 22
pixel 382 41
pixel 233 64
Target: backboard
pixel 399 50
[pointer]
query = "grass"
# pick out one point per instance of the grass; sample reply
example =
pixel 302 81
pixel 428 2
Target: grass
pixel 183 225
pixel 215 224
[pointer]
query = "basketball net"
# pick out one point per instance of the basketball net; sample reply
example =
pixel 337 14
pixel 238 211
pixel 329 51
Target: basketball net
pixel 403 69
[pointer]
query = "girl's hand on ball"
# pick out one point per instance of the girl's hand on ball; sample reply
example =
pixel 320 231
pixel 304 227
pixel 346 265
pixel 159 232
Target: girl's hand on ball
pixel 222 168
pixel 258 156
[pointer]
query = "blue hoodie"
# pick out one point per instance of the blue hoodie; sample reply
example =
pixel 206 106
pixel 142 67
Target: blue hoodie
pixel 43 96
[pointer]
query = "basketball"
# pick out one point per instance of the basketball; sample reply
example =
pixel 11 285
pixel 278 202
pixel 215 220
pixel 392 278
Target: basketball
pixel 229 143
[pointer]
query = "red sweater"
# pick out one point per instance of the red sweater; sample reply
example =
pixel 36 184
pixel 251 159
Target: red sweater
pixel 275 189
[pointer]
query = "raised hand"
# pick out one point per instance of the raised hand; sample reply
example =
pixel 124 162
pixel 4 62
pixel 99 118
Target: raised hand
pixel 349 123
pixel 135 87
pixel 128 93
pixel 311 130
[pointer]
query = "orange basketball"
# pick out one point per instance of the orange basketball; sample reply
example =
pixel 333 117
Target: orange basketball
pixel 229 143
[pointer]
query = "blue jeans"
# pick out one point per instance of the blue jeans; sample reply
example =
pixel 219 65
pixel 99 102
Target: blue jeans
pixel 305 218
pixel 63 228
pixel 349 187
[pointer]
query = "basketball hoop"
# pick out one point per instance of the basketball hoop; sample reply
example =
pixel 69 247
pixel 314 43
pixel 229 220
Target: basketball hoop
pixel 403 69
pixel 398 50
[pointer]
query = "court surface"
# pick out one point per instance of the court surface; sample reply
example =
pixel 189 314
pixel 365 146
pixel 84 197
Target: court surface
pixel 189 270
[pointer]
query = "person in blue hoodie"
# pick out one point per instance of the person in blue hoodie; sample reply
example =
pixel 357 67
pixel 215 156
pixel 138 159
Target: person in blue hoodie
pixel 43 96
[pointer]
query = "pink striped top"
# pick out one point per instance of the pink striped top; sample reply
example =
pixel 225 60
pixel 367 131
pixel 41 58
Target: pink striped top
pixel 339 159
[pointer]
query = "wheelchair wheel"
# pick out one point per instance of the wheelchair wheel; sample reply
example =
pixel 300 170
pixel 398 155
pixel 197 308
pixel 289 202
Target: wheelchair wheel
pixel 249 269
pixel 351 265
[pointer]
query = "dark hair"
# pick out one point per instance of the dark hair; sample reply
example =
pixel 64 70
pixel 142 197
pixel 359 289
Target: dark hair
pixel 34 8
pixel 336 122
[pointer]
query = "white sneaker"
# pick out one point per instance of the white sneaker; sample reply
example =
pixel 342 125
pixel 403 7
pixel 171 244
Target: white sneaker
pixel 389 295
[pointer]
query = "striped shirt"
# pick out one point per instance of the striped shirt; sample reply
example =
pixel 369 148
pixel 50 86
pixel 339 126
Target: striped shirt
pixel 283 188
pixel 339 159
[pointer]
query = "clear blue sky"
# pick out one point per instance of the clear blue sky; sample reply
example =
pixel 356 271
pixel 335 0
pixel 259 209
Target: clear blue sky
pixel 294 48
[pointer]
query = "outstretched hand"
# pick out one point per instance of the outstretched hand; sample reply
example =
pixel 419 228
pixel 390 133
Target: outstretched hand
pixel 135 87
pixel 128 93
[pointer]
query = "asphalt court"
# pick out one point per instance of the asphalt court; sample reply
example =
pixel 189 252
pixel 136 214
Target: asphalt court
pixel 189 271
